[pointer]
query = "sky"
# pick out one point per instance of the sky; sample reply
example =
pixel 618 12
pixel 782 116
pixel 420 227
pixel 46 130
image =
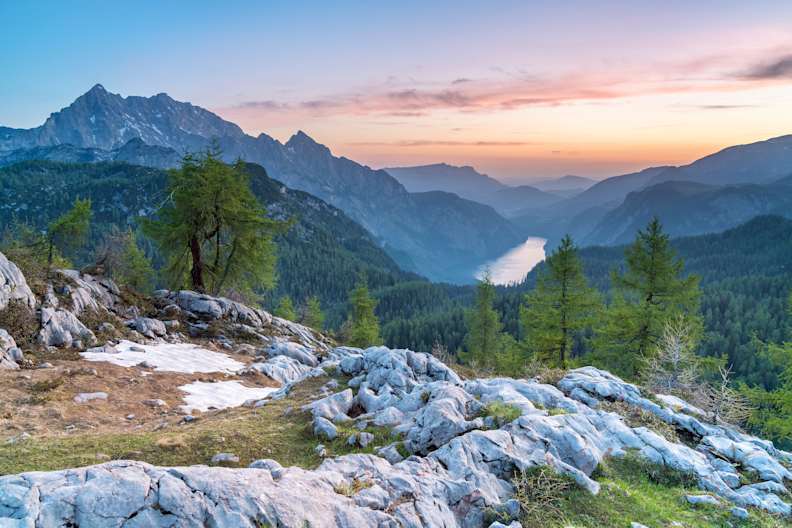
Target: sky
pixel 520 90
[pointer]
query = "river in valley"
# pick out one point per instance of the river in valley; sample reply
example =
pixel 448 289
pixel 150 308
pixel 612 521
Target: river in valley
pixel 514 265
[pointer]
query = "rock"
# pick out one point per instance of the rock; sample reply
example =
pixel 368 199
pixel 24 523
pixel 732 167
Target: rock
pixel 709 500
pixel 320 450
pixel 275 469
pixel 282 369
pixel 60 328
pixel 13 286
pixel 331 406
pixel 9 353
pixel 739 513
pixel 225 458
pixel 154 403
pixel 324 428
pixel 45 365
pixel 148 327
pixel 637 525
pixel 295 351
pixel 85 397
pixel 106 328
pixel 246 349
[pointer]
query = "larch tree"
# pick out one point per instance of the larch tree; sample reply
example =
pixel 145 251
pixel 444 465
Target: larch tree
pixel 484 325
pixel 214 231
pixel 69 230
pixel 560 307
pixel 652 291
pixel 363 325
pixel 314 318
pixel 285 309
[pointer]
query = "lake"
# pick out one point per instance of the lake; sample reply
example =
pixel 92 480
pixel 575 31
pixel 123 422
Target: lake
pixel 514 265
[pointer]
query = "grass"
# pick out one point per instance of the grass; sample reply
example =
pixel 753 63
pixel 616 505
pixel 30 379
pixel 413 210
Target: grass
pixel 502 412
pixel 279 430
pixel 634 490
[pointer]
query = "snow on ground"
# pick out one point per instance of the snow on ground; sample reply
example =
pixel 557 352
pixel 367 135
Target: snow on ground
pixel 170 357
pixel 220 395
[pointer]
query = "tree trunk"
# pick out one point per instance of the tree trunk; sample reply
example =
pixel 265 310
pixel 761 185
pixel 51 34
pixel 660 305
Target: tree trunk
pixel 196 273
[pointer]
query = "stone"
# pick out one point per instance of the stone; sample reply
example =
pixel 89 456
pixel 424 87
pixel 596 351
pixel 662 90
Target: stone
pixel 709 500
pixel 330 406
pixel 739 513
pixel 225 458
pixel 151 328
pixel 154 403
pixel 60 328
pixel 85 397
pixel 324 428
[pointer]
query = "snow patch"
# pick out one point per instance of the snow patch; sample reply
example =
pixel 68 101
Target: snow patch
pixel 168 357
pixel 202 395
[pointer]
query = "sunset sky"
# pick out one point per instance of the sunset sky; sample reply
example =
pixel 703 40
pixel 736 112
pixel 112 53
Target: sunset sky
pixel 520 90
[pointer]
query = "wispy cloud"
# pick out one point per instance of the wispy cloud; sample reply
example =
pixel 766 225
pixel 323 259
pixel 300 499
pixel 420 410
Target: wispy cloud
pixel 508 91
pixel 777 68
pixel 440 143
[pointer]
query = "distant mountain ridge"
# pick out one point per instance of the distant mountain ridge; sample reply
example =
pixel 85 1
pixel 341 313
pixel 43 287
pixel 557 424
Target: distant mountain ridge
pixel 99 126
pixel 470 184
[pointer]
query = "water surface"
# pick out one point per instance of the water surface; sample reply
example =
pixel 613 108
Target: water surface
pixel 515 264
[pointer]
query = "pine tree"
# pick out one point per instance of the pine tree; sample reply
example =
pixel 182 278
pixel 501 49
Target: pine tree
pixel 314 318
pixel 559 308
pixel 213 229
pixel 285 309
pixel 364 328
pixel 484 326
pixel 651 292
pixel 69 230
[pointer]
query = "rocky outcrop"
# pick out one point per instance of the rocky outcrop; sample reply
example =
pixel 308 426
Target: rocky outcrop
pixel 461 467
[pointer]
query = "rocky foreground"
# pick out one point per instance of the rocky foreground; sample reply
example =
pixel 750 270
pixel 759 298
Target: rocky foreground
pixel 448 462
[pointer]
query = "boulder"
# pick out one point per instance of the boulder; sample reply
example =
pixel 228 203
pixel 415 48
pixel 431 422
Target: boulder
pixel 151 328
pixel 60 328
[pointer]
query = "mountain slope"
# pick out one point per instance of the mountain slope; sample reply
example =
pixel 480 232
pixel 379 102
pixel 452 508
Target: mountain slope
pixel 105 123
pixel 689 208
pixel 564 183
pixel 322 254
pixel 465 182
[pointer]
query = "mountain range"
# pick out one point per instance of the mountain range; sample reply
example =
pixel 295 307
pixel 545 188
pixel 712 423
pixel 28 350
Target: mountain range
pixel 470 184
pixel 416 231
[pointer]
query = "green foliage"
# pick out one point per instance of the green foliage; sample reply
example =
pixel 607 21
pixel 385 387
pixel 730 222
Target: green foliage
pixel 650 292
pixel 484 325
pixel 69 230
pixel 125 261
pixel 364 328
pixel 502 412
pixel 213 228
pixel 314 318
pixel 560 307
pixel 285 308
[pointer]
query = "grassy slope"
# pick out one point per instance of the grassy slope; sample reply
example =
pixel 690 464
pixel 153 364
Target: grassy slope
pixel 631 490
pixel 279 430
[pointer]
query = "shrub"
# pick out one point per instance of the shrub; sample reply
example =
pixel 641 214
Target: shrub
pixel 540 492
pixel 502 412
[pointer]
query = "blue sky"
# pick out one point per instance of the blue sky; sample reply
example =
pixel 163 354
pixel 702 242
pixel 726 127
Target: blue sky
pixel 519 89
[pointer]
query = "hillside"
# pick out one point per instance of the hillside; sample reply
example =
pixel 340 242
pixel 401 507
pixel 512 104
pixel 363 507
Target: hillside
pixel 257 421
pixel 690 208
pixel 100 126
pixel 322 254
pixel 745 277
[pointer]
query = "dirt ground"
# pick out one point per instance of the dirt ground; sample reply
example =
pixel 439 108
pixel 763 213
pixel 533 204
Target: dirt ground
pixel 40 402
